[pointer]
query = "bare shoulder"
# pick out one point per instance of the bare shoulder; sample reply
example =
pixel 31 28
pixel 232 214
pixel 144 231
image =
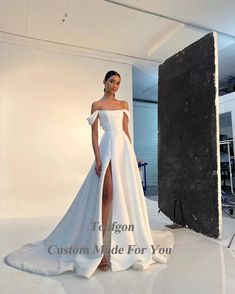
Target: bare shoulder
pixel 95 106
pixel 125 104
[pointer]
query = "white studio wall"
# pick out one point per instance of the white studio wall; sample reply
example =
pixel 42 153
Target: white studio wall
pixel 227 104
pixel 146 137
pixel 46 148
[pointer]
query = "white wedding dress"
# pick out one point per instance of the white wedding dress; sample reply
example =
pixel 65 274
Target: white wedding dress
pixel 76 232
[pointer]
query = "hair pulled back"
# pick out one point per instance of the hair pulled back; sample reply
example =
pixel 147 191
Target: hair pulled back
pixel 109 74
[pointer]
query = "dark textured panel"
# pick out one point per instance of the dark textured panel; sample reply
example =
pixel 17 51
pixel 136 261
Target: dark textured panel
pixel 188 139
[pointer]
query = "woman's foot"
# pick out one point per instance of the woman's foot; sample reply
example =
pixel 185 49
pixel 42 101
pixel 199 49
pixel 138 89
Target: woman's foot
pixel 104 265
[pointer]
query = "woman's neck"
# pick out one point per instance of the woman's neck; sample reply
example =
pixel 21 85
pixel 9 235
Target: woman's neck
pixel 109 97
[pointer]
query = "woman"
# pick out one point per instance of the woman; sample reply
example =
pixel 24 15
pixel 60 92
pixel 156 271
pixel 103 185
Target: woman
pixel 111 82
pixel 110 200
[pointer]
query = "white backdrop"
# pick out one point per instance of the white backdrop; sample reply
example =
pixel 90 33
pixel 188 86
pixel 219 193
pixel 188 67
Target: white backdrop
pixel 46 148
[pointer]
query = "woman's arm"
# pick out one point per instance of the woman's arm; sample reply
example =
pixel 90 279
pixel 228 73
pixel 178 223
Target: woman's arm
pixel 126 120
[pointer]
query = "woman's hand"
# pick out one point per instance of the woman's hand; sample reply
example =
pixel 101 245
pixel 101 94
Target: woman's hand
pixel 98 167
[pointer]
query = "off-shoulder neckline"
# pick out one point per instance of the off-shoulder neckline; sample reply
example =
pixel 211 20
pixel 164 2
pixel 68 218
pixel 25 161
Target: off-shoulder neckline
pixel 112 109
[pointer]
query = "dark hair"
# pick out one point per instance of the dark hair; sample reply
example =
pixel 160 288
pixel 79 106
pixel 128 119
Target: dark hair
pixel 109 74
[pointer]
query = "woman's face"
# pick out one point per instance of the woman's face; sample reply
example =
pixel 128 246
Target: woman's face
pixel 112 84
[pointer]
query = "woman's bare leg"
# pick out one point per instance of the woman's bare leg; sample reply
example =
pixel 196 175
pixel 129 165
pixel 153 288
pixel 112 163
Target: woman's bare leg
pixel 106 203
pixel 107 194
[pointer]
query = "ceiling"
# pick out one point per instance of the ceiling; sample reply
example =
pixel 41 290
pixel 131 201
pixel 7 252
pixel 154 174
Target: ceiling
pixel 141 33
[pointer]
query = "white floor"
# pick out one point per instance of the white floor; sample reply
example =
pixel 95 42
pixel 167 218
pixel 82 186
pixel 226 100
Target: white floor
pixel 198 264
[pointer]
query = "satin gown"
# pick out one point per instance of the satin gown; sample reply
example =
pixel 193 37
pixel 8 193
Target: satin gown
pixel 76 243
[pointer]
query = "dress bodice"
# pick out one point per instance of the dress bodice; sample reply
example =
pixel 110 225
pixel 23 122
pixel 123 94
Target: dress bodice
pixel 110 120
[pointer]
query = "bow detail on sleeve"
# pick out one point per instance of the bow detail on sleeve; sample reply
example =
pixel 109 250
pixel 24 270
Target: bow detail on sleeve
pixel 127 113
pixel 92 117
